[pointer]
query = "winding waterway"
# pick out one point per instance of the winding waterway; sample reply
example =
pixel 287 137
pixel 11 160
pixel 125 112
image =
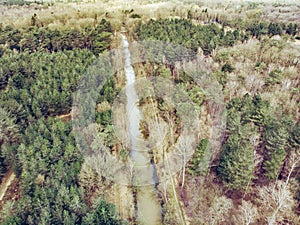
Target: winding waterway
pixel 148 209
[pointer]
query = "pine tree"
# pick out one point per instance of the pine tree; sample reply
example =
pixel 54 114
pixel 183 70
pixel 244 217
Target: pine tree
pixel 260 110
pixel 103 214
pixel 292 29
pixel 199 162
pixel 236 162
pixel 275 139
pixel 274 29
pixel 8 135
pixel 294 137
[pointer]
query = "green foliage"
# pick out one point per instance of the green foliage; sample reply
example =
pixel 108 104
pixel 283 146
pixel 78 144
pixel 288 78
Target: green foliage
pixel 8 135
pixel 221 77
pixel 39 70
pixel 292 29
pixel 245 110
pixel 104 118
pixel 274 29
pixel 103 214
pixel 227 68
pixel 50 164
pixel 41 84
pixel 35 38
pixel 109 91
pixel 101 37
pixel 245 116
pixel 261 110
pixel 260 66
pixel 12 220
pixel 236 162
pixel 275 77
pixel 294 137
pixel 135 16
pixel 197 96
pixel 184 32
pixel 275 140
pixel 16 2
pixel 127 11
pixel 258 29
pixel 198 164
pixel 8 128
pixel 124 154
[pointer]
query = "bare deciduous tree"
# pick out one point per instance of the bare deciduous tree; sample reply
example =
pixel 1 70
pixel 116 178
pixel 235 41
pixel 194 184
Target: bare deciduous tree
pixel 219 209
pixel 276 200
pixel 247 213
pixel 184 150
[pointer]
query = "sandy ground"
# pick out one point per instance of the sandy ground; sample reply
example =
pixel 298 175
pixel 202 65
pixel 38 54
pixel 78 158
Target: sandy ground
pixel 7 180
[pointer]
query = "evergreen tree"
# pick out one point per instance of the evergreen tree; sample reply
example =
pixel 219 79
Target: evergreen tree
pixel 294 137
pixel 275 139
pixel 274 29
pixel 292 29
pixel 103 214
pixel 8 135
pixel 236 162
pixel 199 163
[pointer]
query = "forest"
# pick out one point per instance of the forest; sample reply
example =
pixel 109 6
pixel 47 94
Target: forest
pixel 246 173
pixel 40 68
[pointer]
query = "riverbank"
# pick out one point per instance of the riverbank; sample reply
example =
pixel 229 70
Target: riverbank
pixel 163 133
pixel 147 206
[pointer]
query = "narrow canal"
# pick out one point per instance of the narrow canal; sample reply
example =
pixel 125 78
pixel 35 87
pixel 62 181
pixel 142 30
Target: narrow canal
pixel 148 209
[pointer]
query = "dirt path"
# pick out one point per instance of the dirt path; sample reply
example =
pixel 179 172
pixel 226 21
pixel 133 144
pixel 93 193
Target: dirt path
pixel 65 117
pixel 6 181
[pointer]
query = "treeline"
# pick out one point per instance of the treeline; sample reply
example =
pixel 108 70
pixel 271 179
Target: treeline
pixel 34 38
pixel 247 20
pixel 25 2
pixel 210 36
pixel 16 2
pixel 258 29
pixel 184 32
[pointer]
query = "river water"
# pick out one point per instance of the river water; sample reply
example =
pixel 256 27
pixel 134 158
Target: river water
pixel 148 209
